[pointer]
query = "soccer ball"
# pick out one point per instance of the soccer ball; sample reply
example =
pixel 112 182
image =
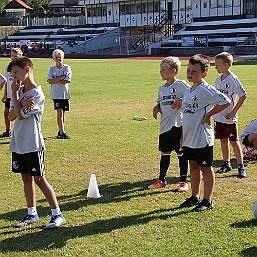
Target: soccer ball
pixel 254 208
pixel 249 152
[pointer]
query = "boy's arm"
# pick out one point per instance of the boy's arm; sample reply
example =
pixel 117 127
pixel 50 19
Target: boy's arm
pixel 16 112
pixel 2 85
pixel 239 103
pixel 216 109
pixel 56 80
pixel 5 93
pixel 156 109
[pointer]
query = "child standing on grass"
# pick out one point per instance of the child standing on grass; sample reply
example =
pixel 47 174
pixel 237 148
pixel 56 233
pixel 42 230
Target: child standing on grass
pixel 59 77
pixel 27 144
pixel 199 103
pixel 226 122
pixel 6 99
pixel 171 122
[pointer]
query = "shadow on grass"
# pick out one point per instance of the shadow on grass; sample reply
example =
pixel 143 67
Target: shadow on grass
pixel 245 224
pixel 249 252
pixel 57 238
pixel 112 193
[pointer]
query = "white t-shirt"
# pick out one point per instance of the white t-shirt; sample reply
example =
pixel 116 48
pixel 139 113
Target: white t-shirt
pixel 232 88
pixel 27 135
pixel 60 91
pixel 250 128
pixel 10 79
pixel 195 105
pixel 166 96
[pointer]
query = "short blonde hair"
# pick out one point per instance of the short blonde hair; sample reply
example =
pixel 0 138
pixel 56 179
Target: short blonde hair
pixel 17 51
pixel 58 52
pixel 225 57
pixel 172 62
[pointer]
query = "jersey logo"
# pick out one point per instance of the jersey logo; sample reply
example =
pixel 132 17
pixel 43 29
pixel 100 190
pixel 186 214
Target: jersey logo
pixel 15 165
pixel 227 86
pixel 204 162
pixel 34 169
pixel 173 90
pixel 194 97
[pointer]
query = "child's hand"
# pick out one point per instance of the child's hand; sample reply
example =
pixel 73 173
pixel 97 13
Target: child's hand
pixel 231 115
pixel 27 102
pixel 207 119
pixel 4 99
pixel 177 104
pixel 16 85
pixel 156 109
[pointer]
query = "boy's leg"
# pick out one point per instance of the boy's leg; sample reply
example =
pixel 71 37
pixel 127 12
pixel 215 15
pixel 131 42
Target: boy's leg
pixel 209 181
pixel 60 120
pixel 183 167
pixel 6 119
pixel 226 156
pixel 57 219
pixel 239 158
pixel 47 190
pixel 29 190
pixel 195 177
pixel 164 165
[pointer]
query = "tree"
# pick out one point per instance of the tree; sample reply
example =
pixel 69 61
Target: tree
pixel 3 3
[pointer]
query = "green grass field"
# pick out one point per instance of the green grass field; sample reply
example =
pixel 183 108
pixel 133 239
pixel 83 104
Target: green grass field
pixel 129 220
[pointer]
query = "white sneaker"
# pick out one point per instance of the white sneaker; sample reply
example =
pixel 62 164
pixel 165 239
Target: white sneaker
pixel 56 221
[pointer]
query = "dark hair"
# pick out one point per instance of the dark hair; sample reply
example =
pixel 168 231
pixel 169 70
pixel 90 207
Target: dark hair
pixel 21 62
pixel 202 59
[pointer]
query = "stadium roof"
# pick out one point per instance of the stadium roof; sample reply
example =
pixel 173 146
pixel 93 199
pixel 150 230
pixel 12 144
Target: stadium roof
pixel 17 4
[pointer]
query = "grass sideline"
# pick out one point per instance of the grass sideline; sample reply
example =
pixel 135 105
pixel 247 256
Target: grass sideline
pixel 128 220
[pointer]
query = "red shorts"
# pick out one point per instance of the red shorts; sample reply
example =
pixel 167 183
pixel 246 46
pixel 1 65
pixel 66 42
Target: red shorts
pixel 223 130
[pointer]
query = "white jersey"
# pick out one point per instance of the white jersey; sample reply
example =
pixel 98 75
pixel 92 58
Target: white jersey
pixel 9 82
pixel 27 135
pixel 232 88
pixel 250 128
pixel 60 91
pixel 195 106
pixel 166 96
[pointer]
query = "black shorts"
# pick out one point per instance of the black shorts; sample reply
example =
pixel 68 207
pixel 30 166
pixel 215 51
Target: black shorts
pixel 7 103
pixel 170 140
pixel 246 142
pixel 32 163
pixel 203 156
pixel 61 104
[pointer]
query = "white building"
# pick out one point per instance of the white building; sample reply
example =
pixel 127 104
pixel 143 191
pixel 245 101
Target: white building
pixel 146 12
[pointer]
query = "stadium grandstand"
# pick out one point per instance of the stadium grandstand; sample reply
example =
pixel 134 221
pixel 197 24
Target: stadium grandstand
pixel 150 27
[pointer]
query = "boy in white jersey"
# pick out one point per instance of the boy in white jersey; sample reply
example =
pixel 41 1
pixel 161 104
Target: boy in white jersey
pixel 199 103
pixel 171 122
pixel 6 99
pixel 27 144
pixel 59 76
pixel 249 136
pixel 226 121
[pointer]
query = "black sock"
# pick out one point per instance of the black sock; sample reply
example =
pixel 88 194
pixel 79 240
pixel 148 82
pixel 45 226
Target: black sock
pixel 240 166
pixel 183 167
pixel 164 165
pixel 227 163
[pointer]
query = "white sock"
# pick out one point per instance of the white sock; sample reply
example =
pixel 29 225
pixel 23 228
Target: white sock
pixel 32 211
pixel 56 211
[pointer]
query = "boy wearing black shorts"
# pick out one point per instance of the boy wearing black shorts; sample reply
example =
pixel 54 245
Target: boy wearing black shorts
pixel 171 122
pixel 27 144
pixel 199 103
pixel 59 77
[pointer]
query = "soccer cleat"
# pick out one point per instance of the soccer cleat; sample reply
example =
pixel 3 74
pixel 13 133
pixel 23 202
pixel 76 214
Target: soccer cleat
pixel 182 187
pixel 29 219
pixel 242 173
pixel 6 134
pixel 191 201
pixel 157 184
pixel 62 135
pixel 224 169
pixel 56 221
pixel 204 205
